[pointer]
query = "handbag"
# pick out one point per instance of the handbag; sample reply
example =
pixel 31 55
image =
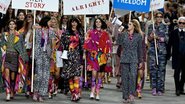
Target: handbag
pixel 11 57
pixel 59 61
pixel 64 55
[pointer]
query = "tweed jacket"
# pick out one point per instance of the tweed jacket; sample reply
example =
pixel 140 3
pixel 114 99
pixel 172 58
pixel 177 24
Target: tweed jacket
pixel 18 45
pixel 132 49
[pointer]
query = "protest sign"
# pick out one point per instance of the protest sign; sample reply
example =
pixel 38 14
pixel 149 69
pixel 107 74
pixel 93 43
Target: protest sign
pixel 132 5
pixel 42 5
pixel 156 4
pixel 4 6
pixel 90 7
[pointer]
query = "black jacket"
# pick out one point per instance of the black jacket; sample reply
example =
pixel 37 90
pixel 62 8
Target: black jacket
pixel 173 48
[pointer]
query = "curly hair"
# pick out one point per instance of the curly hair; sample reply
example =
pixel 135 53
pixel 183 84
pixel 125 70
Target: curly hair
pixel 103 26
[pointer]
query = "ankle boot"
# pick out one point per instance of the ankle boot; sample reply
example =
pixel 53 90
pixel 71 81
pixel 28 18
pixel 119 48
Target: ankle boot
pixel 92 95
pixel 8 94
pixel 97 97
pixel 7 97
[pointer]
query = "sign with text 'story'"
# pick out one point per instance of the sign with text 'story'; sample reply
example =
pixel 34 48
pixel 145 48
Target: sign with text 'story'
pixel 80 7
pixel 132 5
pixel 42 5
pixel 4 6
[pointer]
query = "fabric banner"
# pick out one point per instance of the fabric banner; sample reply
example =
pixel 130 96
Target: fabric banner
pixel 4 4
pixel 90 7
pixel 156 4
pixel 120 12
pixel 132 5
pixel 42 5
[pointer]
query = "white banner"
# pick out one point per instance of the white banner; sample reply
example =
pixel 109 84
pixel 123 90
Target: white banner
pixel 4 4
pixel 156 4
pixel 42 5
pixel 80 7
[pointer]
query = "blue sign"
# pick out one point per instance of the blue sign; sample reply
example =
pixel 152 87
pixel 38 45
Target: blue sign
pixel 132 5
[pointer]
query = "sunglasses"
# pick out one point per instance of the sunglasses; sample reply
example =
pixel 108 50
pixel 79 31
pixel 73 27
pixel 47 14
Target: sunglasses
pixel 182 23
pixel 159 16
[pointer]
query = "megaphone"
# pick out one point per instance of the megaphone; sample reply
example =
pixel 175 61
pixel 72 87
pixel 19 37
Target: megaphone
pixel 64 55
pixel 116 21
pixel 119 23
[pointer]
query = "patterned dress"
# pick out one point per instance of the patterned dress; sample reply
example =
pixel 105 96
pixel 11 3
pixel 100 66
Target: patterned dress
pixel 43 52
pixel 72 42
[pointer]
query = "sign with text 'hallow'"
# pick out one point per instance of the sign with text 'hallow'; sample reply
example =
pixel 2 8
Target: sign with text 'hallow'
pixel 132 5
pixel 4 6
pixel 42 5
pixel 80 7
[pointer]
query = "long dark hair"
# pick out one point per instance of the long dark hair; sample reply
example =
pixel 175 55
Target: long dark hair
pixel 26 23
pixel 20 23
pixel 103 26
pixel 11 20
pixel 20 11
pixel 7 18
pixel 79 26
pixel 44 21
pixel 7 15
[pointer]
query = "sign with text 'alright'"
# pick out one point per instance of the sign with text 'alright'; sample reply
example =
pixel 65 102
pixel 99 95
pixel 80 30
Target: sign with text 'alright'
pixel 132 5
pixel 90 7
pixel 42 5
pixel 4 6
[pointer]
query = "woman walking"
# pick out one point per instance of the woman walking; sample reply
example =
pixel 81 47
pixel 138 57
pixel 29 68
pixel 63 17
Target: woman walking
pixel 27 34
pixel 97 44
pixel 158 71
pixel 131 42
pixel 56 61
pixel 43 49
pixel 14 56
pixel 72 42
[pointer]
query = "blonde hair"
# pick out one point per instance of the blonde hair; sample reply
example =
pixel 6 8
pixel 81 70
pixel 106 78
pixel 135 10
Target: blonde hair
pixel 137 27
pixel 55 19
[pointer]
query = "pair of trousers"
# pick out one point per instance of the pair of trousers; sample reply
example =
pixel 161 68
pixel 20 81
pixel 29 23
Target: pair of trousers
pixel 128 74
pixel 180 80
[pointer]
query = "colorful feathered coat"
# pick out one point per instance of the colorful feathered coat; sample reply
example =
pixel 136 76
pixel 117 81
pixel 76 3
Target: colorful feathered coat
pixel 98 44
pixel 23 57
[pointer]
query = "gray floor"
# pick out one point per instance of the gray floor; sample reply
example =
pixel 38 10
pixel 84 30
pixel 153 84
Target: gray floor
pixel 111 95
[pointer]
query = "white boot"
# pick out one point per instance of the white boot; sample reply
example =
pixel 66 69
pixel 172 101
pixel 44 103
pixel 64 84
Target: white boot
pixel 92 95
pixel 97 97
pixel 8 97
